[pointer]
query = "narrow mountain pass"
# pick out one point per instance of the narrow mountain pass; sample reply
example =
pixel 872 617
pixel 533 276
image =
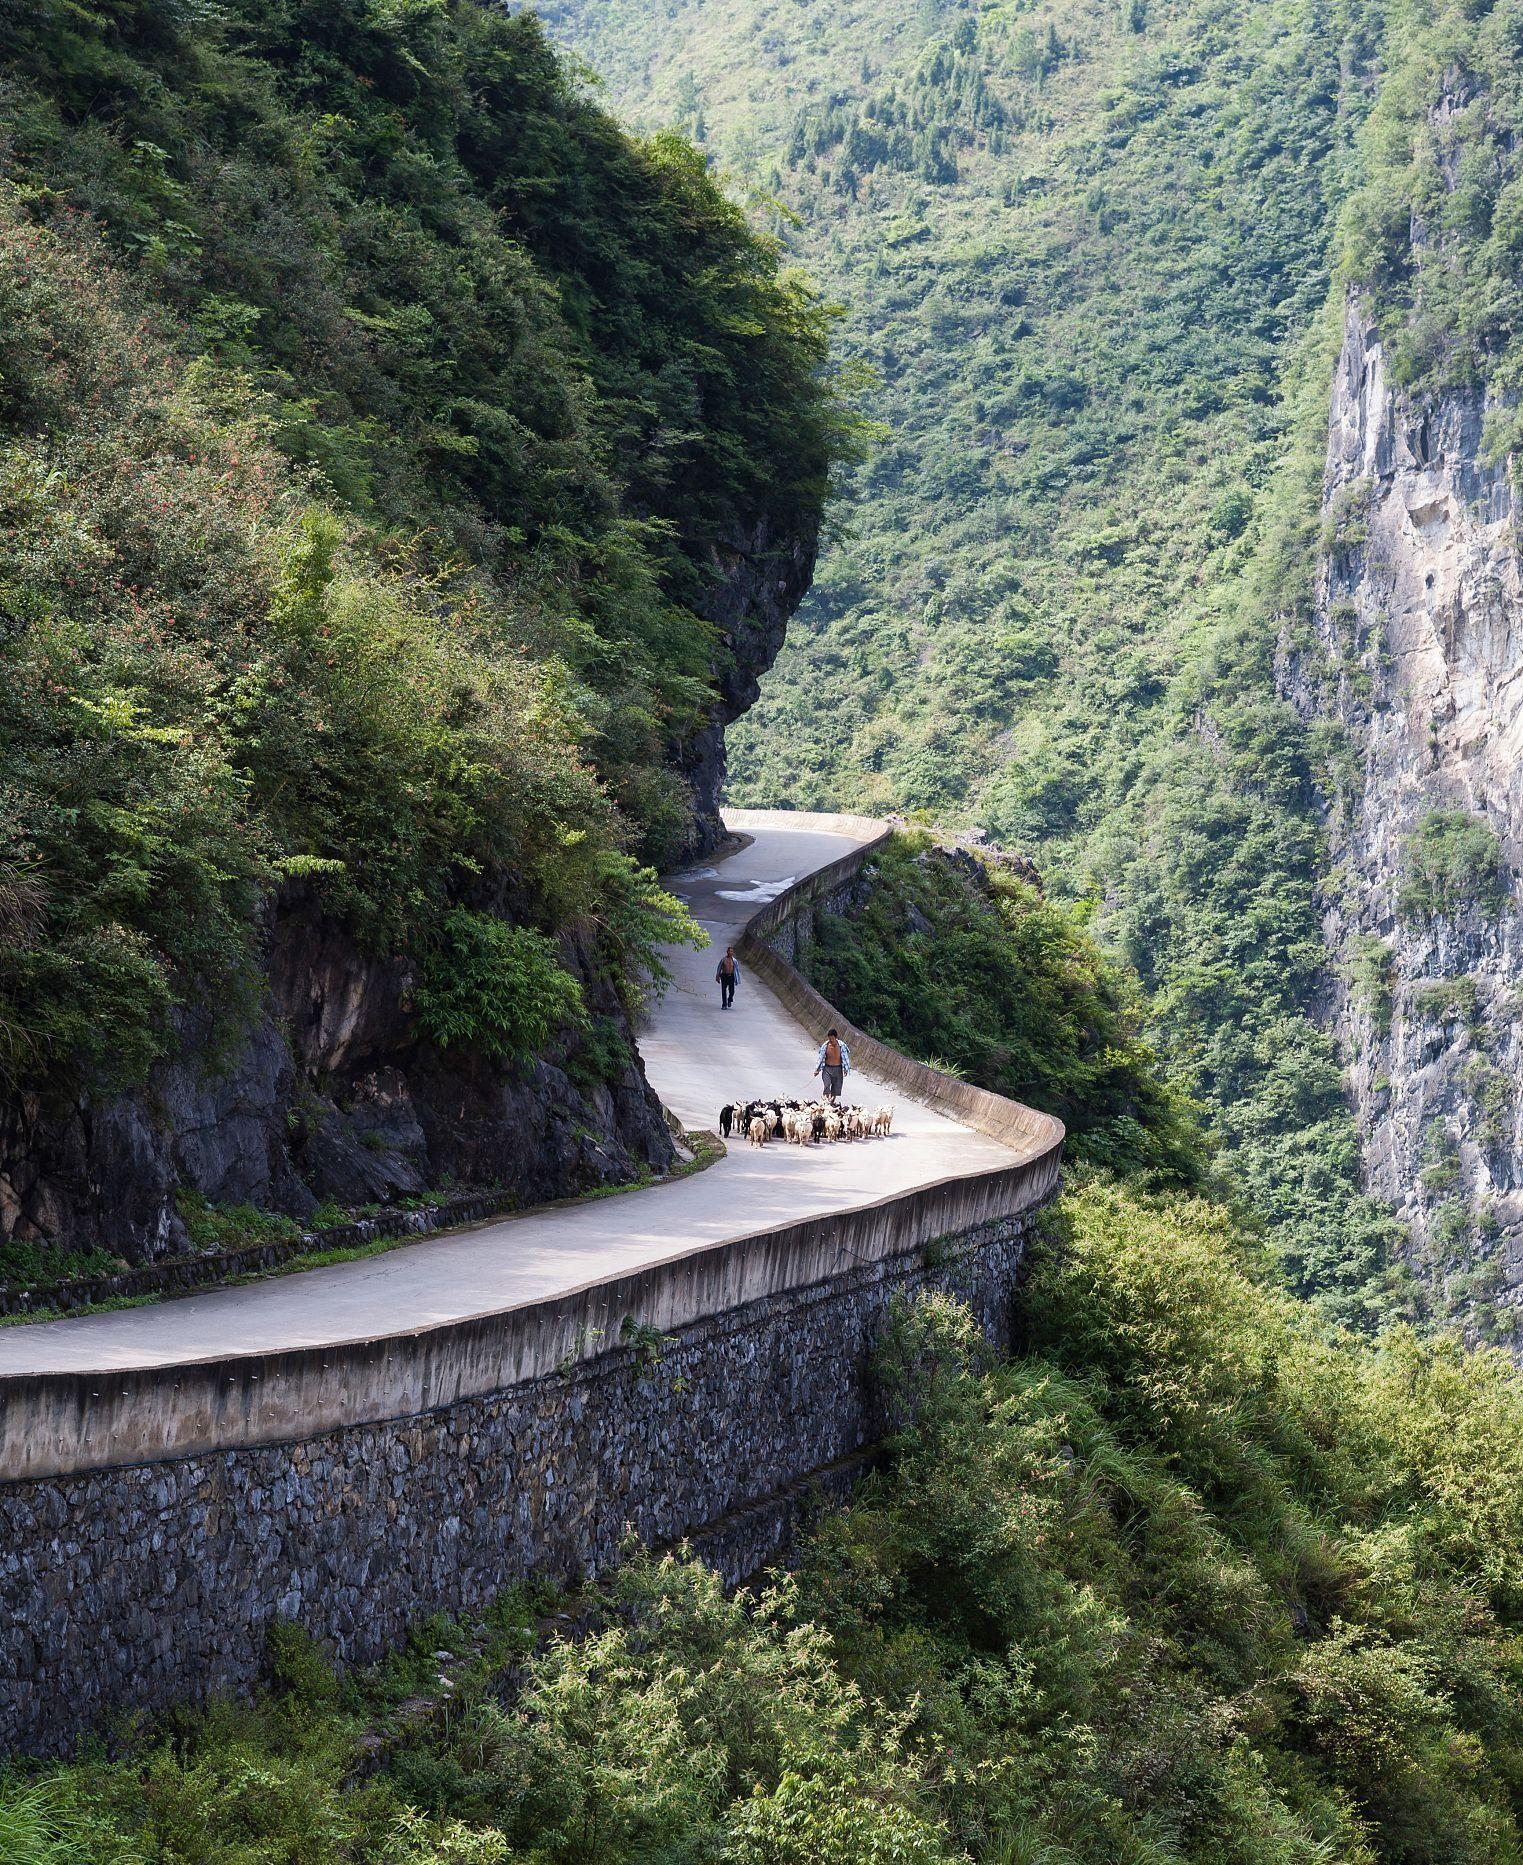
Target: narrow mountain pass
pixel 698 1057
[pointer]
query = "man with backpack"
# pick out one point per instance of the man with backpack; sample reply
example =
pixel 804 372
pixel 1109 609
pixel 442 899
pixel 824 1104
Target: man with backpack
pixel 728 972
pixel 834 1065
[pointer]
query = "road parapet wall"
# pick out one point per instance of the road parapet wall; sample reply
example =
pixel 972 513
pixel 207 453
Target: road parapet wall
pixel 155 1522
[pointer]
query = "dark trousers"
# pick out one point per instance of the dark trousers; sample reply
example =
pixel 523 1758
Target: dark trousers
pixel 831 1078
pixel 726 990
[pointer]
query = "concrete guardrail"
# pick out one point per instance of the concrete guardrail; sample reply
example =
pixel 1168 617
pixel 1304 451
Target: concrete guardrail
pixel 1024 1129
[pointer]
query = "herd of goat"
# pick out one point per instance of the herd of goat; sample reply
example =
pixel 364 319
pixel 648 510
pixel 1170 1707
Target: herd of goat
pixel 806 1123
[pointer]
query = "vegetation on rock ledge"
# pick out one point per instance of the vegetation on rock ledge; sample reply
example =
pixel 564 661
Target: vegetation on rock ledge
pixel 957 959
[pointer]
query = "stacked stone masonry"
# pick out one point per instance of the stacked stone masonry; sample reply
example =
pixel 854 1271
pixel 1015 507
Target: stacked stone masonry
pixel 128 1588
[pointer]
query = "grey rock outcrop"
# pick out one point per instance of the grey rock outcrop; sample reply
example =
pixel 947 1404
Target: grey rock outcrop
pixel 759 579
pixel 1419 657
pixel 332 1094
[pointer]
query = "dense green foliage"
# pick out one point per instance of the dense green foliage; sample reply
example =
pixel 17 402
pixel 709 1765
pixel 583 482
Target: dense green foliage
pixel 962 963
pixel 500 987
pixel 370 406
pixel 1096 256
pixel 1452 860
pixel 472 295
pixel 1434 236
pixel 1184 1580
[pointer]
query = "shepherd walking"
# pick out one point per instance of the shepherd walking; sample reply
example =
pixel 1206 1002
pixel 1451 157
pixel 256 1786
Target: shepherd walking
pixel 833 1066
pixel 728 972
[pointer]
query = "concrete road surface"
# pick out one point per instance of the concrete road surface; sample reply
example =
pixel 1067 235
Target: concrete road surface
pixel 698 1057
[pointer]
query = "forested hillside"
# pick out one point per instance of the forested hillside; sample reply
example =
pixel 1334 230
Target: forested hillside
pixel 404 476
pixel 1097 258
pixel 957 959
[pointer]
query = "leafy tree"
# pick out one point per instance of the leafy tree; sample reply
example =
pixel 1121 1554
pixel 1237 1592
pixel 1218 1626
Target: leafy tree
pixel 499 987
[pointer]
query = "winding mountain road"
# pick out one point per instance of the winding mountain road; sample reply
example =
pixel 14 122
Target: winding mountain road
pixel 697 1056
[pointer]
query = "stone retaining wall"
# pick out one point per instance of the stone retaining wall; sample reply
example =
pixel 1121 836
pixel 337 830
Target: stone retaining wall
pixel 154 1524
pixel 130 1588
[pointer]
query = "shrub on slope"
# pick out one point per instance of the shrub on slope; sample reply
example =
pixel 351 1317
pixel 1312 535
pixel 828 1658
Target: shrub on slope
pixel 963 963
pixel 1181 1581
pixel 1188 1580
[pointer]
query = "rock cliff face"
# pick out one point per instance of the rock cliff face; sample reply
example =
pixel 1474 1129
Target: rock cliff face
pixel 759 580
pixel 1419 625
pixel 331 1096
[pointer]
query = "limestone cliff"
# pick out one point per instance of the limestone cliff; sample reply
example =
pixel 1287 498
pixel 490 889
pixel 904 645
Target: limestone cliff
pixel 1419 657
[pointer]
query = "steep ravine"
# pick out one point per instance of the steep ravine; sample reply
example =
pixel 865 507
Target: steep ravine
pixel 1419 631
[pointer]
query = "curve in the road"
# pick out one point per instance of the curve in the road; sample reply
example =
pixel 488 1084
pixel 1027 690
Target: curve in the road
pixel 91 1373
